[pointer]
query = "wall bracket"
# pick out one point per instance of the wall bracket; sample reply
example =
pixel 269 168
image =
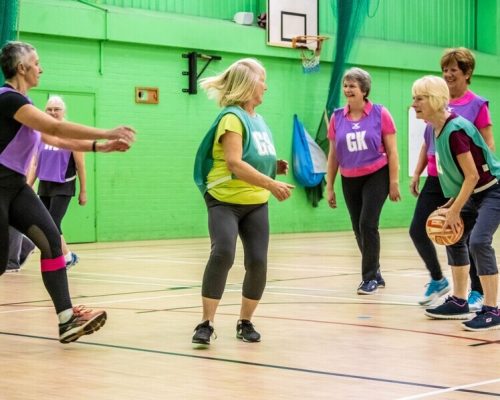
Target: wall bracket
pixel 193 68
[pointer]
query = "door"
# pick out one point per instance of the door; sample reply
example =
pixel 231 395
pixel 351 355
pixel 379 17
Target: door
pixel 79 224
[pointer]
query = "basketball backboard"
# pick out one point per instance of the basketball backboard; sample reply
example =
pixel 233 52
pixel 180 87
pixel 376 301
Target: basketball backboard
pixel 289 18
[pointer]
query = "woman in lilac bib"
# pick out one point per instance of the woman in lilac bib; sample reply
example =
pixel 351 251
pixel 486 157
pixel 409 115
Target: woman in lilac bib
pixel 20 127
pixel 57 171
pixel 363 148
pixel 457 66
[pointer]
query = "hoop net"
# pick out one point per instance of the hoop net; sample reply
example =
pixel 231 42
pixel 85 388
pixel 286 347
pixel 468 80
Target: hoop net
pixel 310 51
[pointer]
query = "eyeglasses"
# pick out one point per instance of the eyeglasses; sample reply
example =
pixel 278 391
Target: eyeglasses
pixel 53 109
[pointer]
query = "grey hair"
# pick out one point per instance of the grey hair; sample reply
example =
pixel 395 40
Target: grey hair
pixel 56 99
pixel 12 54
pixel 360 76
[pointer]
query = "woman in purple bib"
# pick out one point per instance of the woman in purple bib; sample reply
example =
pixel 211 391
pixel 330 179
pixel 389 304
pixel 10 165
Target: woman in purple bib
pixel 363 147
pixel 57 170
pixel 457 66
pixel 20 127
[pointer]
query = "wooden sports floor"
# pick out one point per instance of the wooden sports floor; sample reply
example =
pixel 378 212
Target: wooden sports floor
pixel 320 340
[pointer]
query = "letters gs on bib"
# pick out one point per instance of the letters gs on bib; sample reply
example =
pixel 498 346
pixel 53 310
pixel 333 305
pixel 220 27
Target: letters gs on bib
pixel 263 143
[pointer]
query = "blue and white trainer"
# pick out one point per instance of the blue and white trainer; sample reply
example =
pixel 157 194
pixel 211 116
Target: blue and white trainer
pixel 475 301
pixel 435 289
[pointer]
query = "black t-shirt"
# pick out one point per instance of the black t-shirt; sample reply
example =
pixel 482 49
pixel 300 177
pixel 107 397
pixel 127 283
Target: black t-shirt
pixel 10 102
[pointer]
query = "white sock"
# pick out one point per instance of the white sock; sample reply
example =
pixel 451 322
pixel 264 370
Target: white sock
pixel 65 316
pixel 67 257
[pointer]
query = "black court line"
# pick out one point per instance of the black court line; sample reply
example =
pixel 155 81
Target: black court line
pixel 482 344
pixel 475 339
pixel 261 365
pixel 167 289
pixel 80 297
pixel 482 341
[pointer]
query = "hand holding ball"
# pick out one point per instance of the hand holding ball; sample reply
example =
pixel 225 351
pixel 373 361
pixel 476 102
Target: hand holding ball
pixel 435 231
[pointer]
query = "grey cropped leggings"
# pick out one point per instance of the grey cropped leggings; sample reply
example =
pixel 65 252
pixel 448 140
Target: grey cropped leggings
pixel 225 222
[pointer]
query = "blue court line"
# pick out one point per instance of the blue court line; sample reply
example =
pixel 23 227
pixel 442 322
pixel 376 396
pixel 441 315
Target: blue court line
pixel 262 365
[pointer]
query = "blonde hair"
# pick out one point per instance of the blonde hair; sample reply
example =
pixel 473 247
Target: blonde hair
pixel 236 85
pixel 435 88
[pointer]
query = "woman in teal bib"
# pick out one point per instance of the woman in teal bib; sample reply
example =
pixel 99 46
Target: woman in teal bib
pixel 468 174
pixel 235 167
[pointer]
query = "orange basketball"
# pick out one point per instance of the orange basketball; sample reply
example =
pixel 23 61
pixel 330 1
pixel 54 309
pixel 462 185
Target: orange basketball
pixel 434 228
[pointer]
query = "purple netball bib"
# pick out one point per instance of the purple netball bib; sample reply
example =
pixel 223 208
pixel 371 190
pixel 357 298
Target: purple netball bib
pixel 52 163
pixel 19 152
pixel 359 143
pixel 470 110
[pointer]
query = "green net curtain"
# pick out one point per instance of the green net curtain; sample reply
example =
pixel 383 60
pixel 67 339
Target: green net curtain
pixel 350 15
pixel 8 23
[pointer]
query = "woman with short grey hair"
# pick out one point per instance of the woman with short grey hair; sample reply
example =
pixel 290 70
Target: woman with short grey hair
pixel 22 127
pixel 363 149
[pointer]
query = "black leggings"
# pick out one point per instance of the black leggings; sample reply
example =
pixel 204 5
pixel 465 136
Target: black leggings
pixel 225 222
pixel 430 198
pixel 21 208
pixel 365 197
pixel 57 206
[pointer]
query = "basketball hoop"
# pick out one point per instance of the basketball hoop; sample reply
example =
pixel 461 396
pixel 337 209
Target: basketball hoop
pixel 310 51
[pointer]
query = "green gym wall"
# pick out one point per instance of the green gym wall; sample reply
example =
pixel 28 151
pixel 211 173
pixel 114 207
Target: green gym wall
pixel 95 53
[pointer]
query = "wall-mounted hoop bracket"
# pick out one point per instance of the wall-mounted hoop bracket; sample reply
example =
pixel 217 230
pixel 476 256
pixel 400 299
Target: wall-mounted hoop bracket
pixel 192 73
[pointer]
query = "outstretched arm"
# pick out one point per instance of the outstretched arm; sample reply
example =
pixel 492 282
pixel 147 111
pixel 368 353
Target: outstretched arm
pixel 31 116
pixel 86 145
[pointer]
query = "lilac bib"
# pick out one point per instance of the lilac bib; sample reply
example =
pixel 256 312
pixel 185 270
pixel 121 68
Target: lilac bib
pixel 19 152
pixel 359 143
pixel 52 163
pixel 470 110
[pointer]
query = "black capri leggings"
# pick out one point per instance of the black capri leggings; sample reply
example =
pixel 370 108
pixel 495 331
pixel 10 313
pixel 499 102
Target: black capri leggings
pixel 21 208
pixel 57 206
pixel 225 222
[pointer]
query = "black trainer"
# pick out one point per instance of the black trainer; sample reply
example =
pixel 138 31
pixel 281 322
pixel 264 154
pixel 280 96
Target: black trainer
pixel 202 334
pixel 246 331
pixel 452 308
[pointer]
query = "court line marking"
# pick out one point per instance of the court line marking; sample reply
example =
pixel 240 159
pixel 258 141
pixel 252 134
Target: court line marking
pixel 261 365
pixel 451 389
pixel 184 308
